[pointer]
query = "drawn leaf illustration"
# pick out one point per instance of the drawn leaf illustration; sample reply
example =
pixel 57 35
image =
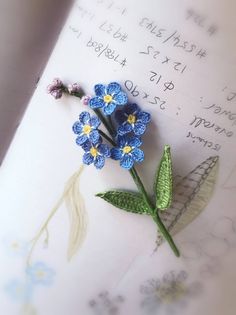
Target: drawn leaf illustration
pixel 131 202
pixel 163 183
pixel 191 196
pixel 78 220
pixel 77 214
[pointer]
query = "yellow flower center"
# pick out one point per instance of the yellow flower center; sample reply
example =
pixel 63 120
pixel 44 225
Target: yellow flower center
pixel 94 152
pixel 107 98
pixel 87 129
pixel 15 245
pixel 131 119
pixel 127 149
pixel 40 274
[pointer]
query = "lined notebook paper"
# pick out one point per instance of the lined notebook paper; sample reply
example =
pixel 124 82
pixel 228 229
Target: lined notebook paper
pixel 178 62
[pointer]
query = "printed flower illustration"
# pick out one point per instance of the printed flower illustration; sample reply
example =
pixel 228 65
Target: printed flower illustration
pixel 169 293
pixel 96 153
pixel 132 119
pixel 106 305
pixel 108 97
pixel 86 128
pixel 39 273
pixel 19 290
pixel 16 247
pixel 127 151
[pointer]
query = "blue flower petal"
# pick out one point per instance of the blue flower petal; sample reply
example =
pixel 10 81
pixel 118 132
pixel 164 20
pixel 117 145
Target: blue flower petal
pixel 100 90
pixel 134 142
pixel 104 150
pixel 131 109
pixel 94 136
pixel 138 155
pixel 127 161
pixel 96 102
pixel 81 139
pixel 144 117
pixel 88 158
pixel 120 98
pixel 95 122
pixel 109 108
pixel 77 127
pixel 139 128
pixel 99 161
pixel 84 117
pixel 116 154
pixel 113 88
pixel 39 273
pixel 86 146
pixel 124 128
pixel 120 116
pixel 121 141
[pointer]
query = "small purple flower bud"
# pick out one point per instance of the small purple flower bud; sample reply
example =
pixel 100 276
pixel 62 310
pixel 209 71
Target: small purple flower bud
pixel 57 82
pixel 73 88
pixel 56 88
pixel 57 93
pixel 50 88
pixel 85 99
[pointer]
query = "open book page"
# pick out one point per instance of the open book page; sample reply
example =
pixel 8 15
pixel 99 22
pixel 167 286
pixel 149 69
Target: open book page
pixel 177 61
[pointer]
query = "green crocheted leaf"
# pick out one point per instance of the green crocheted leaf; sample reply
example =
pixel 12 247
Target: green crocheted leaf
pixel 163 183
pixel 191 196
pixel 131 202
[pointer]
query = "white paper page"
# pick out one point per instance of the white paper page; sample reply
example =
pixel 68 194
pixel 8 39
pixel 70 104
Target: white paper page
pixel 180 67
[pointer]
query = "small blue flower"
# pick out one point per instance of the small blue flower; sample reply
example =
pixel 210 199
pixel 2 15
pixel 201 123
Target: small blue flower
pixel 15 247
pixel 128 151
pixel 19 291
pixel 131 118
pixel 108 97
pixel 95 153
pixel 86 128
pixel 39 273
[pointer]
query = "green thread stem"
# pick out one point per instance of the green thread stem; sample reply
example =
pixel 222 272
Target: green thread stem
pixel 141 187
pixel 104 135
pixel 104 121
pixel 137 180
pixel 154 212
pixel 165 233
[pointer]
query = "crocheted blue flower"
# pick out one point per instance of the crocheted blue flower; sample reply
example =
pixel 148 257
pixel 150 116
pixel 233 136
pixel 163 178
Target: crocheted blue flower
pixel 108 97
pixel 127 151
pixel 95 153
pixel 131 118
pixel 86 128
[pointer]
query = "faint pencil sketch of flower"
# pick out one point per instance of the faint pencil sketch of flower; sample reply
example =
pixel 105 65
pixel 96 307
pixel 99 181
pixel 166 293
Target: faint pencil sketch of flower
pixel 15 247
pixel 169 293
pixel 28 309
pixel 104 304
pixel 39 273
pixel 20 291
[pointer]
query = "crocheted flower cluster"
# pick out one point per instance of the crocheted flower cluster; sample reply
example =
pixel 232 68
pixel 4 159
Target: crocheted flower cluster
pixel 131 124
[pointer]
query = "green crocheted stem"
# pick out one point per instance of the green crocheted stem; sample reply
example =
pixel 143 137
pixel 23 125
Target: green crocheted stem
pixel 154 211
pixel 105 136
pixel 142 190
pixel 165 233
